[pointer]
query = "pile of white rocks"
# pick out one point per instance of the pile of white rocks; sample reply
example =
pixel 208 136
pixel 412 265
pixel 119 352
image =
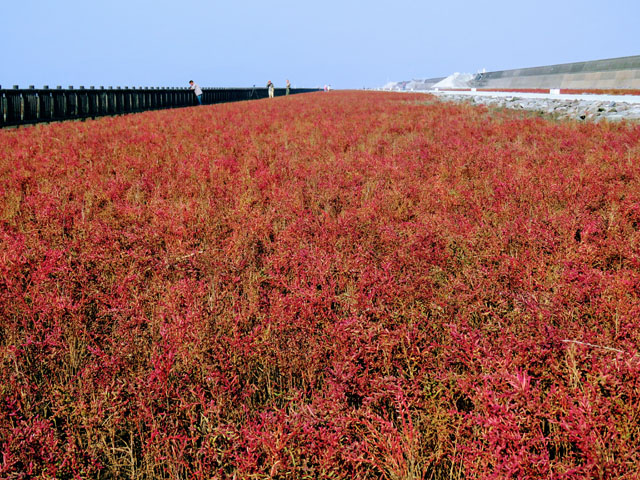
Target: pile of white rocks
pixel 577 109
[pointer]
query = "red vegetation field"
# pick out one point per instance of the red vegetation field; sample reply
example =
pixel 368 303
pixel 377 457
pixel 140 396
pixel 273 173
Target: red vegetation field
pixel 330 285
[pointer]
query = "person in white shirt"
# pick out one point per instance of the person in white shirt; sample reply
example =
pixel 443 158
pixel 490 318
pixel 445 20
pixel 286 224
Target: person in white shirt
pixel 197 91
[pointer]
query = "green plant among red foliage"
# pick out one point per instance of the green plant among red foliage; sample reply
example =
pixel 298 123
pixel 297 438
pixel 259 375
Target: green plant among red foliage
pixel 341 285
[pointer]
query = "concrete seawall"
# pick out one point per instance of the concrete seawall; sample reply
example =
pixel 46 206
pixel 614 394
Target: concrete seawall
pixel 613 73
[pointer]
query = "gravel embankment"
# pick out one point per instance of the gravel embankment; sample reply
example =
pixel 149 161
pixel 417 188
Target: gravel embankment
pixel 561 108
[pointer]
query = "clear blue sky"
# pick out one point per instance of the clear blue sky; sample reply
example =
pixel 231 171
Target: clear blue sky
pixel 348 44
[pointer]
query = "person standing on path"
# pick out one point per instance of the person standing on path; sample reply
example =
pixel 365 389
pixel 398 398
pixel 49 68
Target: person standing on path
pixel 288 87
pixel 271 89
pixel 197 91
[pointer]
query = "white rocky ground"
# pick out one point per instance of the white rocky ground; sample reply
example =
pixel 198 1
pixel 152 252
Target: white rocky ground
pixel 457 80
pixel 579 107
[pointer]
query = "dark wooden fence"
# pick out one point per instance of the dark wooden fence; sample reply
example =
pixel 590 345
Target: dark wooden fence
pixel 33 105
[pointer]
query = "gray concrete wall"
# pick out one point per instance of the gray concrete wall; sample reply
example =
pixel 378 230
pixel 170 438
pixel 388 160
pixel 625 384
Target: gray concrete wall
pixel 426 83
pixel 410 85
pixel 613 73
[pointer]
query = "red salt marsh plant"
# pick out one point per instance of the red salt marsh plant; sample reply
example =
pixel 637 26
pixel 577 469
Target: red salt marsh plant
pixel 341 285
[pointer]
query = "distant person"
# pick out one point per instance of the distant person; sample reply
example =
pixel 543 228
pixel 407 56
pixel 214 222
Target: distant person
pixel 271 89
pixel 197 91
pixel 288 87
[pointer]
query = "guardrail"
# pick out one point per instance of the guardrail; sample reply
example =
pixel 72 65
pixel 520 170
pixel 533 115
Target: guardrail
pixel 30 106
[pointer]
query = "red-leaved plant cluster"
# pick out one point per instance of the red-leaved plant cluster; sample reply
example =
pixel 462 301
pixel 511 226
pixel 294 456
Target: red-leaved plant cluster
pixel 330 285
